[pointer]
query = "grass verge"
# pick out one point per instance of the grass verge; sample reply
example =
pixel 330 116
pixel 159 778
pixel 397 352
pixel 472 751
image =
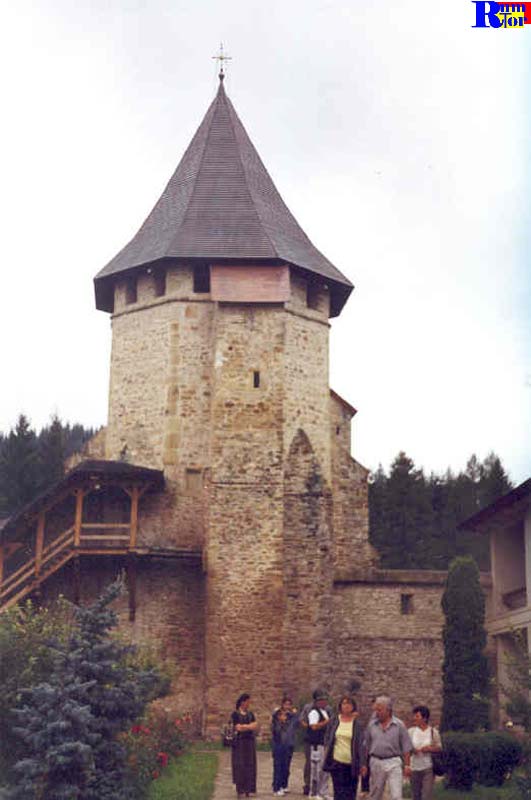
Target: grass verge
pixel 190 777
pixel 477 793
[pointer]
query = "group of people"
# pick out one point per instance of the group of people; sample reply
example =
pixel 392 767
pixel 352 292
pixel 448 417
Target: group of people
pixel 337 746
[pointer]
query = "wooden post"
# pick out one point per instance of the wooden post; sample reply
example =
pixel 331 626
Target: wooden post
pixel 1 565
pixel 77 580
pixel 39 544
pixel 134 494
pixel 79 516
pixel 131 585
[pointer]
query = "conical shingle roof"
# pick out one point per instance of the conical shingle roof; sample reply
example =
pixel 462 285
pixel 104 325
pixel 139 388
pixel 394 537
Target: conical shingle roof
pixel 221 205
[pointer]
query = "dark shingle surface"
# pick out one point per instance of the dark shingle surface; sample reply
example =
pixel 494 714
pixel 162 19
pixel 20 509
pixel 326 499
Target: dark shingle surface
pixel 221 204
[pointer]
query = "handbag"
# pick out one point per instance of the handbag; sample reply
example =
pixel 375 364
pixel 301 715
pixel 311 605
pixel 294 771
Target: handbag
pixel 437 760
pixel 229 734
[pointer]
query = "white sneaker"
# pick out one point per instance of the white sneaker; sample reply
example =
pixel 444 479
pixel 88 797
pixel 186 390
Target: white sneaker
pixel 280 793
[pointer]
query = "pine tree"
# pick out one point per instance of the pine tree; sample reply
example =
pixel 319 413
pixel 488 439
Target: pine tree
pixel 407 516
pixel 71 723
pixel 494 481
pixel 19 466
pixel 51 453
pixel 465 669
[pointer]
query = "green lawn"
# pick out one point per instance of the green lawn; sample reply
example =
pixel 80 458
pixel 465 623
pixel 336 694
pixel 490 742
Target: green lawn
pixel 190 777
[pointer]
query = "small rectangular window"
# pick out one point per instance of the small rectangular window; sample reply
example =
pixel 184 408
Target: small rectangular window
pixel 202 279
pixel 130 290
pixel 256 379
pixel 313 294
pixel 406 604
pixel 159 279
pixel 194 481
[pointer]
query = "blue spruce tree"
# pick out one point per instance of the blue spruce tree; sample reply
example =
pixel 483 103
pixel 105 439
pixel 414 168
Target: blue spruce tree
pixel 70 725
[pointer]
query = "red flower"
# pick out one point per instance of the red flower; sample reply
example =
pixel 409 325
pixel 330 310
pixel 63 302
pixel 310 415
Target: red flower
pixel 136 729
pixel 155 774
pixel 162 758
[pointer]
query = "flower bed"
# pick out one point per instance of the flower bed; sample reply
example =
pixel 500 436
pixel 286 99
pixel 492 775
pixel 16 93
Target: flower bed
pixel 152 742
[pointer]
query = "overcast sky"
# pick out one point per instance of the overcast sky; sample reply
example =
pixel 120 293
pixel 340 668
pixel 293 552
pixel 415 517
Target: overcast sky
pixel 398 136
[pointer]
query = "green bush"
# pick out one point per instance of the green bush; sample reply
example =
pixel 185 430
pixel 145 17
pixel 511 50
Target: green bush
pixel 499 754
pixel 152 742
pixel 461 755
pixel 485 758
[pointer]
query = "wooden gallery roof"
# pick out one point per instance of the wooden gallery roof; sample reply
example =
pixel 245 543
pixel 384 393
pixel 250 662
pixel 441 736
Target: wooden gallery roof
pixel 221 205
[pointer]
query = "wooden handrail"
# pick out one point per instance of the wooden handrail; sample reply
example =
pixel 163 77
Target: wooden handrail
pixel 108 537
pixel 57 547
pixel 29 572
pixel 117 525
pixel 62 536
pixel 27 565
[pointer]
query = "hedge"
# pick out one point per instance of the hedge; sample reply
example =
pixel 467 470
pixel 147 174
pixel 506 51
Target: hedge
pixel 485 758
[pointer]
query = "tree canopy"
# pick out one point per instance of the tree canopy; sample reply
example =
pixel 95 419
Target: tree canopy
pixel 31 461
pixel 414 518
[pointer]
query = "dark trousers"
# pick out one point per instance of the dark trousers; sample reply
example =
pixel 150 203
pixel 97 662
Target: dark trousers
pixel 307 767
pixel 344 783
pixel 281 763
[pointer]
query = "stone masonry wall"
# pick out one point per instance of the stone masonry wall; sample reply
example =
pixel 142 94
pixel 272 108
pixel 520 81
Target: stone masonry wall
pixel 159 401
pixel 244 547
pixel 308 572
pixel 306 387
pixel 350 493
pixel 386 651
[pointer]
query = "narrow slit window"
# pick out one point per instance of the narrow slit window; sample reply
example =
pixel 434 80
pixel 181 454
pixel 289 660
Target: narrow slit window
pixel 160 282
pixel 256 379
pixel 130 291
pixel 202 279
pixel 406 604
pixel 313 293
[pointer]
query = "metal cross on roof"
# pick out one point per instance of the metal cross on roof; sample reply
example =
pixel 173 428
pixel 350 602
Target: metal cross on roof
pixel 222 58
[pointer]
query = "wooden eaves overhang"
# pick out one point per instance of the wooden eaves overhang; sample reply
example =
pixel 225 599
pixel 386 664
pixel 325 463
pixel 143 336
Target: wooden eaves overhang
pixel 33 545
pixel 507 509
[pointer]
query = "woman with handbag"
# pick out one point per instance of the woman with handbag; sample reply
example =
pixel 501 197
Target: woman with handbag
pixel 244 747
pixel 426 740
pixel 342 749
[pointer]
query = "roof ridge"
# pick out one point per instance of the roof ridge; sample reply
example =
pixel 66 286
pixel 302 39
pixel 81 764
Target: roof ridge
pixel 256 211
pixel 200 163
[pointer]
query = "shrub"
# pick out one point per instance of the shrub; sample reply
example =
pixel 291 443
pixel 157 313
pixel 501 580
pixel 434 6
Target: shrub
pixel 485 758
pixel 73 720
pixel 461 757
pixel 465 671
pixel 152 741
pixel 499 754
pixel 25 660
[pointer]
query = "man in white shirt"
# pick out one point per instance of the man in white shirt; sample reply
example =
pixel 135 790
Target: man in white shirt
pixel 318 719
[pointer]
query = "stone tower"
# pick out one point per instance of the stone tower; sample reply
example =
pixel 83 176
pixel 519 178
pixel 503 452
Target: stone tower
pixel 219 377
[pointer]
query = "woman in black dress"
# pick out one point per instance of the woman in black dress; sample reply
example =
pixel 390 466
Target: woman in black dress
pixel 244 747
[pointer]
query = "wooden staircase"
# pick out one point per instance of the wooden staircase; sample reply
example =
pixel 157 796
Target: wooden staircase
pixel 37 569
